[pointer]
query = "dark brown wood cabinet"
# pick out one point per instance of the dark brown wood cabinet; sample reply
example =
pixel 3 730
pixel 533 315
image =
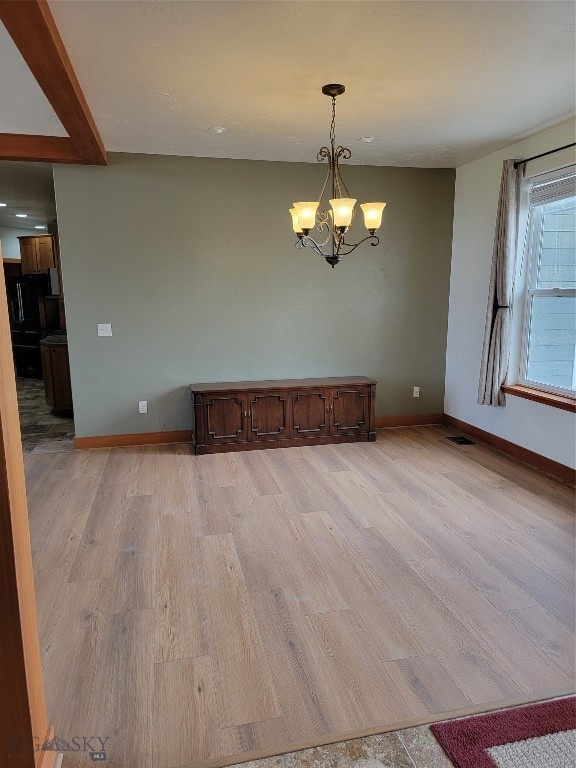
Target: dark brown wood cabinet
pixel 310 413
pixel 223 418
pixel 56 371
pixel 37 254
pixel 46 354
pixel 349 410
pixel 247 415
pixel 268 415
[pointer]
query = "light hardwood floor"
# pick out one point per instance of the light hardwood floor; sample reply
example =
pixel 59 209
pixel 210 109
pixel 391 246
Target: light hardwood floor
pixel 196 610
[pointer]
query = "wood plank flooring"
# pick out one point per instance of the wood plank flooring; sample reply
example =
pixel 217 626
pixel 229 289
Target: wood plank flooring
pixel 200 610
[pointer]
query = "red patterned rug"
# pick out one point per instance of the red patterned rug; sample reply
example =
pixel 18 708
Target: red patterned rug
pixel 539 735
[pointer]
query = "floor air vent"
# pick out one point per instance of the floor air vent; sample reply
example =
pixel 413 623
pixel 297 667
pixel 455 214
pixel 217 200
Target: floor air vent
pixel 461 440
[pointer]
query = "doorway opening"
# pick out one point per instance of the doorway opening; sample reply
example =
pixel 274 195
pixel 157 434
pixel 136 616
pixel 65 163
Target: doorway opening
pixel 30 252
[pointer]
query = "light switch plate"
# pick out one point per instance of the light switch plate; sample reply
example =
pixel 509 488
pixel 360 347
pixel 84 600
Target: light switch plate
pixel 104 329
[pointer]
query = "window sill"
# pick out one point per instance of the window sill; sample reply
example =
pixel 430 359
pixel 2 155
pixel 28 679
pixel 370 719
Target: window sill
pixel 538 396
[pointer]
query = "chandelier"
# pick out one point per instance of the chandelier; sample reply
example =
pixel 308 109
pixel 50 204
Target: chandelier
pixel 335 223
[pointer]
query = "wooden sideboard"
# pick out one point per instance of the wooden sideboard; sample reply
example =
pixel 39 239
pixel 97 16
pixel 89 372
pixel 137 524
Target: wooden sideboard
pixel 249 415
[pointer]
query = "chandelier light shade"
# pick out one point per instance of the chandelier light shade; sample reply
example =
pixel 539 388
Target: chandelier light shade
pixel 372 215
pixel 295 223
pixel 334 223
pixel 306 213
pixel 342 211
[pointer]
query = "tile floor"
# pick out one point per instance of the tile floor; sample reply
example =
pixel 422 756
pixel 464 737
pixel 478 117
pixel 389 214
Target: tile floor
pixel 409 748
pixel 42 431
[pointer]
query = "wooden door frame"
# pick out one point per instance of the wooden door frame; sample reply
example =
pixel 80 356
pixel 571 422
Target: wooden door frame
pixel 23 722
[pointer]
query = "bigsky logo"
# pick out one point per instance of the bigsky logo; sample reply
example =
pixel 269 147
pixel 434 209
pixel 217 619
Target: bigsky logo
pixel 94 745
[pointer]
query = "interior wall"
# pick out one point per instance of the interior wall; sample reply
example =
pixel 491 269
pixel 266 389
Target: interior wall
pixel 548 431
pixel 192 261
pixel 9 239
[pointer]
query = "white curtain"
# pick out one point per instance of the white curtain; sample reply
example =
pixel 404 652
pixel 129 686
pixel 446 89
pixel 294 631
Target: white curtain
pixel 496 349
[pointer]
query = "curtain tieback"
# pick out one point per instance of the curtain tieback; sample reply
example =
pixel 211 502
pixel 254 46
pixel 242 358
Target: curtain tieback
pixel 503 306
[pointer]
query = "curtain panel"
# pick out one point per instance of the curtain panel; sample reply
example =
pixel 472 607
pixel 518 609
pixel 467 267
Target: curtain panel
pixel 496 348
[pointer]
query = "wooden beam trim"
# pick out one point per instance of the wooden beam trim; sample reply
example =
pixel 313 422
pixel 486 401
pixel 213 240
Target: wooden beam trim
pixel 50 149
pixel 555 468
pixel 31 26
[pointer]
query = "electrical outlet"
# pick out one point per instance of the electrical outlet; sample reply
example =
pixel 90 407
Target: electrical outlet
pixel 143 406
pixel 416 392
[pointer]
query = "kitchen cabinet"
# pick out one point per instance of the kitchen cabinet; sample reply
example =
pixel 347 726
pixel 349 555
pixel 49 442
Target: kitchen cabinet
pixel 235 416
pixel 37 254
pixel 56 372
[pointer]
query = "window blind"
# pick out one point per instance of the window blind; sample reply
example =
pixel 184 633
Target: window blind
pixel 542 191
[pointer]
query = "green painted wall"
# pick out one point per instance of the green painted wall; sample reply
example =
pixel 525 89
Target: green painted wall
pixel 192 261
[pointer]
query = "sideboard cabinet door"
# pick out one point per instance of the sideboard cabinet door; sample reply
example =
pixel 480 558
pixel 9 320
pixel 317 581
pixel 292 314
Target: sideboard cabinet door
pixel 225 414
pixel 350 410
pixel 310 411
pixel 268 415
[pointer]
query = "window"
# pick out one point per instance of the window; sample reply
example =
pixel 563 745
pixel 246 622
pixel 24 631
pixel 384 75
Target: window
pixel 549 324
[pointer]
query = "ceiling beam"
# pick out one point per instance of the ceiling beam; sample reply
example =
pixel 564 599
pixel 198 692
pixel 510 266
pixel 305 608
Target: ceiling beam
pixel 31 26
pixel 50 149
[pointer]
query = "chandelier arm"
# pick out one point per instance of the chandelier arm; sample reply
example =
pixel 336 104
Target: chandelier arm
pixel 346 154
pixel 329 233
pixel 343 152
pixel 336 191
pixel 307 242
pixel 327 176
pixel 374 238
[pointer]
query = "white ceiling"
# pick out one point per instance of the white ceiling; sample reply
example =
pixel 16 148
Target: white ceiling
pixel 435 83
pixel 25 109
